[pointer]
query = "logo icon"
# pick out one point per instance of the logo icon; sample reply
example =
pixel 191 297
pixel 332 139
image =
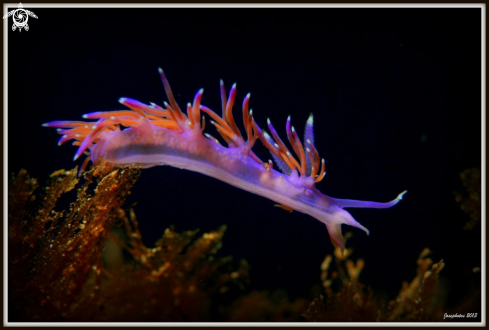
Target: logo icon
pixel 20 17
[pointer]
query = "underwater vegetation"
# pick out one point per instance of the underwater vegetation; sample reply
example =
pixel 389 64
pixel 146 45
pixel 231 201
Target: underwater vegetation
pixel 347 300
pixel 89 263
pixel 470 201
pixel 56 269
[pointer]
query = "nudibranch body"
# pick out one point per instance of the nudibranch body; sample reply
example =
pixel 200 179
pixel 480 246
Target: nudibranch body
pixel 155 135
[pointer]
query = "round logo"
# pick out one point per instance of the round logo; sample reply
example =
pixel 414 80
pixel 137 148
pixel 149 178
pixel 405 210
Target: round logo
pixel 20 17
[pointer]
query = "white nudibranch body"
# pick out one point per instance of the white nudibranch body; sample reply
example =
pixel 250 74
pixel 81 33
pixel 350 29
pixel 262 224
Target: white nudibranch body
pixel 155 135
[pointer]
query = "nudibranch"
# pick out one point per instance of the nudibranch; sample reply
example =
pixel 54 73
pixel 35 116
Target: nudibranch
pixel 151 135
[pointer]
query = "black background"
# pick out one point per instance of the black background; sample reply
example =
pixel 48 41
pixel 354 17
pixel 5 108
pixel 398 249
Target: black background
pixel 395 94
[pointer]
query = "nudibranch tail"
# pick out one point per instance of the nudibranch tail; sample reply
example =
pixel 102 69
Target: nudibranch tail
pixel 151 135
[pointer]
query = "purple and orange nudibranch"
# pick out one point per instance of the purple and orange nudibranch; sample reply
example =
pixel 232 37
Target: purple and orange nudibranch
pixel 155 135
